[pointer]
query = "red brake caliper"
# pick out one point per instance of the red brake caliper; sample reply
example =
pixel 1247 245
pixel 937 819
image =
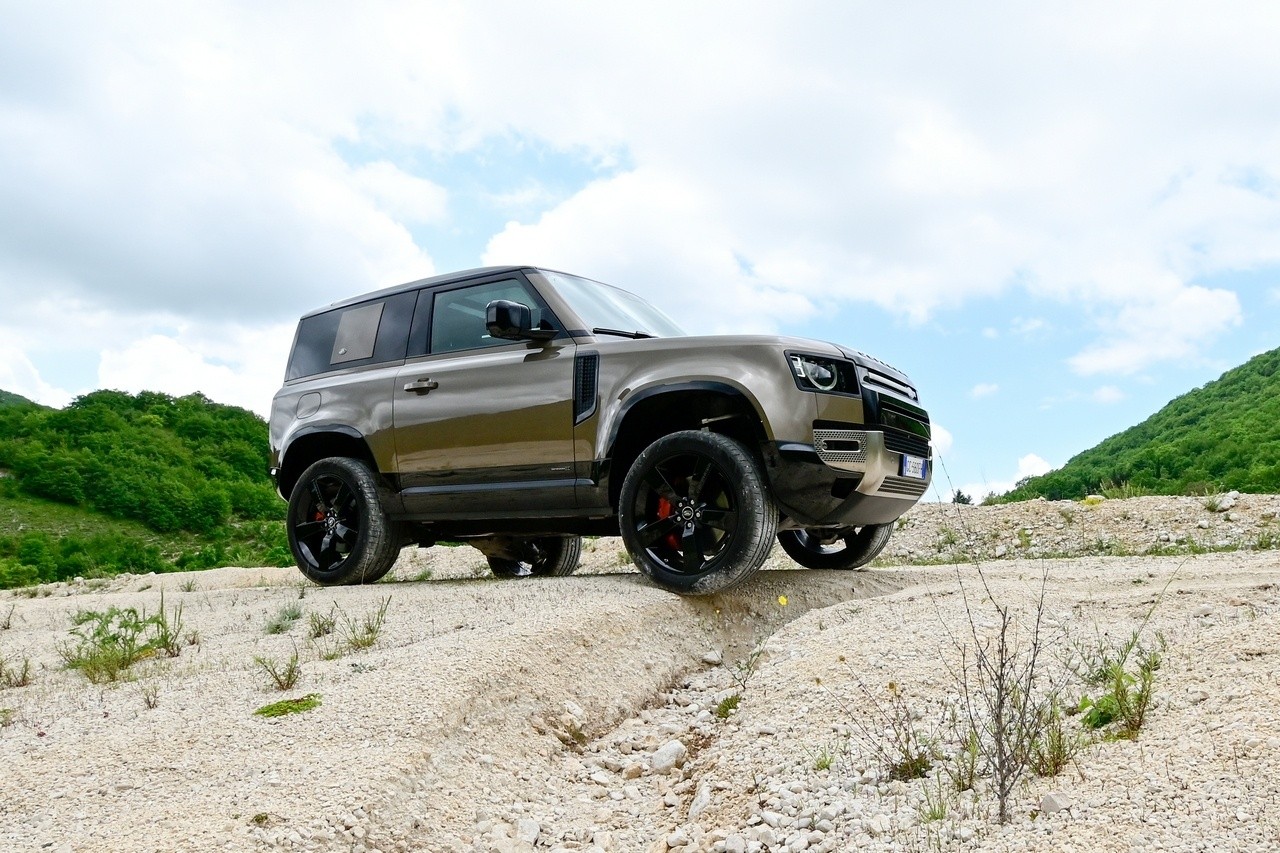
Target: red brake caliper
pixel 664 511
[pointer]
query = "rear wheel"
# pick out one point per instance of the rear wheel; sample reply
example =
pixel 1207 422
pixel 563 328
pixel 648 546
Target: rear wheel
pixel 843 548
pixel 553 556
pixel 337 530
pixel 696 513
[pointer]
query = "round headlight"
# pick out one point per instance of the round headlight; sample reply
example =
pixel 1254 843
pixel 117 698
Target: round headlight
pixel 823 376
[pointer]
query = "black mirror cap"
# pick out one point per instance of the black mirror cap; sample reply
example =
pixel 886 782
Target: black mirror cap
pixel 513 321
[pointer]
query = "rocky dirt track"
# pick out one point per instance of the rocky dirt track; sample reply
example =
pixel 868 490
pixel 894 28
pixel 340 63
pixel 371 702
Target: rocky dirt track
pixel 593 712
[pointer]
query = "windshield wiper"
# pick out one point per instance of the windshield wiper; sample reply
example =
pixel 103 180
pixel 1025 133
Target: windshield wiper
pixel 634 335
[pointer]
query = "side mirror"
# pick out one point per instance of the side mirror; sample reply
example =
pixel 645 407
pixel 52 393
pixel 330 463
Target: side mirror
pixel 513 321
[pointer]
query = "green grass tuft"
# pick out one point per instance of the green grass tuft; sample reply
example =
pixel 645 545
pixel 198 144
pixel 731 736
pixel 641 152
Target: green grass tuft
pixel 289 706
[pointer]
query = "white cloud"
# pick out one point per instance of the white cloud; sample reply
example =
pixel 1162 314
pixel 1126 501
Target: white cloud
pixel 917 190
pixel 983 389
pixel 1108 394
pixel 408 198
pixel 19 376
pixel 654 234
pixel 1030 465
pixel 220 369
pixel 990 333
pixel 942 439
pixel 1148 331
pixel 1027 326
pixel 240 163
pixel 156 168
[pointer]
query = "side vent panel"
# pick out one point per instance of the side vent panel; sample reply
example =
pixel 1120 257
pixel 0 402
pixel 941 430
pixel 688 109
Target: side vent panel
pixel 586 373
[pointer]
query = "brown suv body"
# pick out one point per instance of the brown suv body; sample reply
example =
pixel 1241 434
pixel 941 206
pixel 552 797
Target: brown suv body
pixel 474 435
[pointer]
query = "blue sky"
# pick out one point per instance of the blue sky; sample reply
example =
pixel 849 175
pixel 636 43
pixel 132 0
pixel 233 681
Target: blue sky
pixel 1055 217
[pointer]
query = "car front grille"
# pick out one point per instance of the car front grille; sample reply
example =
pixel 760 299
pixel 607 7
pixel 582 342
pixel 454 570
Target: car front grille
pixel 905 442
pixel 874 377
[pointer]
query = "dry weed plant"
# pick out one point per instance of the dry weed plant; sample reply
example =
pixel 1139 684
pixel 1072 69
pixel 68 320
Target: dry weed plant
pixel 1013 722
pixel 285 674
pixel 14 675
pixel 888 729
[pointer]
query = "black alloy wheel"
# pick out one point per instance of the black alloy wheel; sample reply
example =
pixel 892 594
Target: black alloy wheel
pixel 843 548
pixel 543 556
pixel 337 530
pixel 696 513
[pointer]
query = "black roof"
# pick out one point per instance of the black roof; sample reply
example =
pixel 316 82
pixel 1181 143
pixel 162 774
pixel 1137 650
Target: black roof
pixel 446 278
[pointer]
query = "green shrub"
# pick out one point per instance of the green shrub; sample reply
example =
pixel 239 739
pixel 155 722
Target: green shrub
pixel 108 642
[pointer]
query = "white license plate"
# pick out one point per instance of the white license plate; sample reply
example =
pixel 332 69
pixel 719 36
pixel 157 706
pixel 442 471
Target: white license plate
pixel 914 467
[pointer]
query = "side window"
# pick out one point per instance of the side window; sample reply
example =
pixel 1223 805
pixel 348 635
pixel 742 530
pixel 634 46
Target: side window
pixel 457 317
pixel 368 333
pixel 357 333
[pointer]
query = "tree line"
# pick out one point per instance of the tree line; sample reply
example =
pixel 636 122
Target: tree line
pixel 177 465
pixel 1222 436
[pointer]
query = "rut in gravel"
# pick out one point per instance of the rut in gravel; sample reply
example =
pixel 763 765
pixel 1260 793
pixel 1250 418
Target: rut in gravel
pixel 514 733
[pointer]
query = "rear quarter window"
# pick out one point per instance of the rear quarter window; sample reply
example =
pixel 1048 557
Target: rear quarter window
pixel 372 332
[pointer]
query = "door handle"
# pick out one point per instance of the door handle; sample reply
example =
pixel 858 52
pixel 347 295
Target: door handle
pixel 421 386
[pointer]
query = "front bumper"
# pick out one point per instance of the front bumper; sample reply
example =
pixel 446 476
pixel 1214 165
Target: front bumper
pixel 865 453
pixel 846 478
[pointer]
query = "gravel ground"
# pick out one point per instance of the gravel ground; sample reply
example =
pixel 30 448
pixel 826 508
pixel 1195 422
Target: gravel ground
pixel 581 713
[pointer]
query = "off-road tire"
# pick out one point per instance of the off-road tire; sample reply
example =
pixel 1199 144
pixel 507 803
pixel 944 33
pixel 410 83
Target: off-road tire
pixel 848 549
pixel 338 531
pixel 696 513
pixel 553 556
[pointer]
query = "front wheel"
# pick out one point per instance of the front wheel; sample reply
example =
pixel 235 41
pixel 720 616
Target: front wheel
pixel 550 556
pixel 845 548
pixel 337 530
pixel 696 513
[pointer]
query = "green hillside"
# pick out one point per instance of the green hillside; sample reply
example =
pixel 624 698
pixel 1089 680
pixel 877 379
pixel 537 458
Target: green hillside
pixel 8 398
pixel 1223 436
pixel 122 482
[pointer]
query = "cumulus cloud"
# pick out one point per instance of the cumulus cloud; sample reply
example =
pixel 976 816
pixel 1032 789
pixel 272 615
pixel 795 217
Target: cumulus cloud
pixel 150 167
pixel 651 233
pixel 942 440
pixel 906 194
pixel 241 163
pixel 1030 465
pixel 983 389
pixel 19 376
pixel 407 197
pixel 1148 331
pixel 186 364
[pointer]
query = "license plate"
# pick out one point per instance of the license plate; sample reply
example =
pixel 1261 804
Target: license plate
pixel 914 467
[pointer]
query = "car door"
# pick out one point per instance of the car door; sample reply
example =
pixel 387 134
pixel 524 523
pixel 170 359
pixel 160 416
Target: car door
pixel 483 425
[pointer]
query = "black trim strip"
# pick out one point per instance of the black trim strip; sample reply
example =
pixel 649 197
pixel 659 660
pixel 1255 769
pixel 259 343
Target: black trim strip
pixel 468 488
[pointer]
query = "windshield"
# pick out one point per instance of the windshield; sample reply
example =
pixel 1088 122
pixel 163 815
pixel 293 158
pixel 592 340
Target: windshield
pixel 602 306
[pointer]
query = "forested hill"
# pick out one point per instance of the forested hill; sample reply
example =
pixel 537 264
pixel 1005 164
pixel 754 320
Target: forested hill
pixel 1223 436
pixel 8 398
pixel 133 482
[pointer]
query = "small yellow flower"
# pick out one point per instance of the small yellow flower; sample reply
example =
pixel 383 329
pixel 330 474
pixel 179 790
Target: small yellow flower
pixel 782 599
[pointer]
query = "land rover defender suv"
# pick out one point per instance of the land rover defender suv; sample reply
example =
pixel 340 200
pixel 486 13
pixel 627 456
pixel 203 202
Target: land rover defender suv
pixel 517 409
